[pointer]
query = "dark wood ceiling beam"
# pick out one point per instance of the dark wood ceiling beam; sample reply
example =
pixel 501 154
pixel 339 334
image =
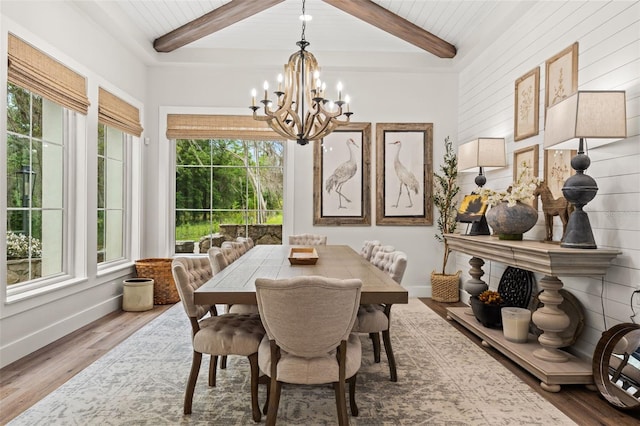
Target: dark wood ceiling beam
pixel 388 21
pixel 217 19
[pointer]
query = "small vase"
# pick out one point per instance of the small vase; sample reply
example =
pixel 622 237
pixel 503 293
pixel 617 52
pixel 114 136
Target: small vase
pixel 488 315
pixel 509 223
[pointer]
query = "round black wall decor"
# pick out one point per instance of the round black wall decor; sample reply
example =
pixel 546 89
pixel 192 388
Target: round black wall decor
pixel 516 286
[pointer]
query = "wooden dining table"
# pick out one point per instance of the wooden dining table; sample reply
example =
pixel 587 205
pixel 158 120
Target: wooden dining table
pixel 236 283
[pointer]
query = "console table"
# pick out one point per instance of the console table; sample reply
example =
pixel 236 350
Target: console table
pixel 543 359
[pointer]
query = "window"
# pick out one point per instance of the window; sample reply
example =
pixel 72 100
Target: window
pixel 112 165
pixel 227 182
pixel 36 179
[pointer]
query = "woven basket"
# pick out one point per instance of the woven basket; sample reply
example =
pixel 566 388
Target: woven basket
pixel 444 288
pixel 164 287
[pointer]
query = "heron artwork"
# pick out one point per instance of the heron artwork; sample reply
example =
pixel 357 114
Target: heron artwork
pixel 407 180
pixel 343 173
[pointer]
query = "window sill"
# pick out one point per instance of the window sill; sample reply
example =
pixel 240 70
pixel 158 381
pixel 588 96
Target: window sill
pixel 43 290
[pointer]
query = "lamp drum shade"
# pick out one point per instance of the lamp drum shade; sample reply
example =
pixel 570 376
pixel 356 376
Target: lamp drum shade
pixel 599 116
pixel 488 153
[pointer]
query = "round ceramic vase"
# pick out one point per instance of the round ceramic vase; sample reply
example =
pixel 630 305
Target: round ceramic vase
pixel 509 223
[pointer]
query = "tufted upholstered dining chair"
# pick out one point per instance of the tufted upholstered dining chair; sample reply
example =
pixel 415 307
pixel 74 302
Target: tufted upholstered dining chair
pixel 308 239
pixel 367 248
pixel 229 334
pixel 376 319
pixel 380 248
pixel 247 242
pixel 232 250
pixel 308 321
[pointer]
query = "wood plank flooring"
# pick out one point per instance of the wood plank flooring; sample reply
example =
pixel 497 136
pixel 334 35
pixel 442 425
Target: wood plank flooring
pixel 26 381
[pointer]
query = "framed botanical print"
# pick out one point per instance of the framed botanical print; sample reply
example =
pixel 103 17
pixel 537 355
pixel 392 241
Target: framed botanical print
pixel 561 76
pixel 525 160
pixel 342 177
pixel 557 168
pixel 527 96
pixel 404 170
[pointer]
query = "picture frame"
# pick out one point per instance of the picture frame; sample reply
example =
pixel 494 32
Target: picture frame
pixel 404 174
pixel 557 169
pixel 342 177
pixel 472 208
pixel 561 76
pixel 526 107
pixel 526 157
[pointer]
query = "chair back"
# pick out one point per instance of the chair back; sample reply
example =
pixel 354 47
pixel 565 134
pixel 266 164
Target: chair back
pixel 367 248
pixel 246 242
pixel 393 263
pixel 217 259
pixel 308 239
pixel 190 273
pixel 308 316
pixel 379 249
pixel 230 250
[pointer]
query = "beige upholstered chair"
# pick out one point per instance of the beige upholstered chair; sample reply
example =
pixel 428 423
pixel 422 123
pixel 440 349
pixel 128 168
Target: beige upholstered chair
pixel 308 240
pixel 232 250
pixel 376 319
pixel 367 248
pixel 380 248
pixel 308 321
pixel 229 334
pixel 247 242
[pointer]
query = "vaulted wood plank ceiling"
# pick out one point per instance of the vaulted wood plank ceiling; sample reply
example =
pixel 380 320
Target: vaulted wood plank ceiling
pixel 366 10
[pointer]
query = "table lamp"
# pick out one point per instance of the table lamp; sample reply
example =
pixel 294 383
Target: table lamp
pixel 484 154
pixel 599 116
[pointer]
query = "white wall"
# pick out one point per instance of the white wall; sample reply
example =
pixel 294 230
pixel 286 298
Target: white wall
pixel 34 320
pixel 376 97
pixel 609 59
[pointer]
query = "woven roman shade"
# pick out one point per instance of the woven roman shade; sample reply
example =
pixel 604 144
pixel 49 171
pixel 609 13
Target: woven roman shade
pixel 117 113
pixel 36 71
pixel 201 126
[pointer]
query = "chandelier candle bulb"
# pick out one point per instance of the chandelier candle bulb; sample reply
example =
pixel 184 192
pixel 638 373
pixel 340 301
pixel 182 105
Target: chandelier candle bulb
pixel 253 97
pixel 347 99
pixel 339 91
pixel 266 88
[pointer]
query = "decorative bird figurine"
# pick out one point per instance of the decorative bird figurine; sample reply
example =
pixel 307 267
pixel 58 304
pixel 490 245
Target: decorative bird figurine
pixel 407 179
pixel 343 173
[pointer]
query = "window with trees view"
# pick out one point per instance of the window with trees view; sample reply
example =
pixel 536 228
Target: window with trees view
pixel 36 178
pixel 223 181
pixel 112 165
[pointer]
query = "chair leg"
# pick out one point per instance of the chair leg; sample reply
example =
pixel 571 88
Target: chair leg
pixel 223 362
pixel 386 338
pixel 266 380
pixel 191 384
pixel 255 372
pixel 352 396
pixel 375 339
pixel 274 401
pixel 213 365
pixel 341 404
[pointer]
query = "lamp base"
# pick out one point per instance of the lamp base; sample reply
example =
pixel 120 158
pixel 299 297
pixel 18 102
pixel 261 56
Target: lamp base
pixel 579 234
pixel 480 227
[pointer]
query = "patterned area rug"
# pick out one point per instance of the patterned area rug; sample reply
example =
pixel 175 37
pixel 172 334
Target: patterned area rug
pixel 443 379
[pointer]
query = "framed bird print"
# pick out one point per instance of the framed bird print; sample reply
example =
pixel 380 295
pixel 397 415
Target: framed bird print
pixel 342 177
pixel 404 170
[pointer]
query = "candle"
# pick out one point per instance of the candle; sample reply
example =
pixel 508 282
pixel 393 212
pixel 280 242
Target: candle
pixel 279 82
pixel 347 99
pixel 339 91
pixel 253 97
pixel 266 87
pixel 515 324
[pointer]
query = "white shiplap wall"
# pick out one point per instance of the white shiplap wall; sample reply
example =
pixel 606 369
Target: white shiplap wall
pixel 608 34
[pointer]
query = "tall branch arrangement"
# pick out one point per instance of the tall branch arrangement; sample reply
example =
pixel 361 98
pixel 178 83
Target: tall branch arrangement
pixel 445 191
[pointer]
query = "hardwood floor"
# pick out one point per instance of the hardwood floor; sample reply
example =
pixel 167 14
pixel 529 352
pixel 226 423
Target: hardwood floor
pixel 26 381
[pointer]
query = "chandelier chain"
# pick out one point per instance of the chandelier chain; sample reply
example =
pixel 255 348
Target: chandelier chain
pixel 304 21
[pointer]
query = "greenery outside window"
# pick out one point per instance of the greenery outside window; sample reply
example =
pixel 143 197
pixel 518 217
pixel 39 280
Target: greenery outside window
pixel 227 181
pixel 37 146
pixel 112 165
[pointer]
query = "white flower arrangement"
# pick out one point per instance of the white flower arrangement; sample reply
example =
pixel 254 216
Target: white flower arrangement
pixel 19 246
pixel 522 189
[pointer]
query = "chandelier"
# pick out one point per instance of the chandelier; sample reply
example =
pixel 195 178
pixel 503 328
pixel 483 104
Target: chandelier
pixel 301 110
